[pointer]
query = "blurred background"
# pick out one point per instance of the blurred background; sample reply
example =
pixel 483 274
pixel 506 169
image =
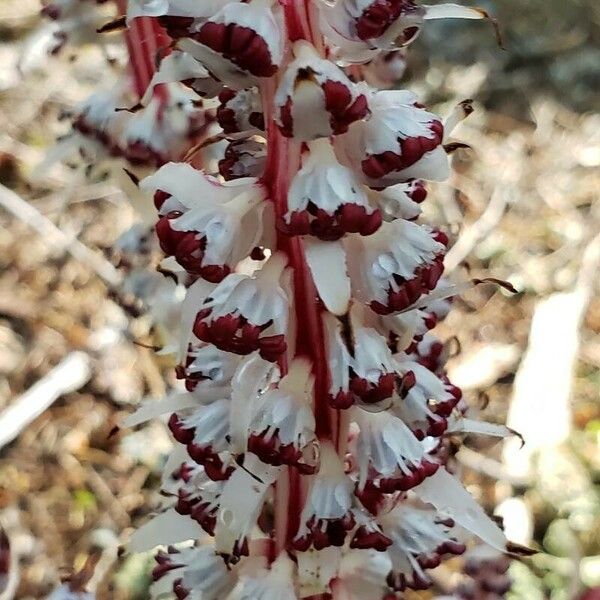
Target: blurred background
pixel 522 205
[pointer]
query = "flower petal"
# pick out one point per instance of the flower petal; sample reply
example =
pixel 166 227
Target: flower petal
pixel 327 263
pixel 448 496
pixel 167 528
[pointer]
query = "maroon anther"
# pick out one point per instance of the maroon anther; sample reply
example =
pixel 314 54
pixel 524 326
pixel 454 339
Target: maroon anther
pixel 184 473
pixel 418 193
pixel 436 428
pixel 272 452
pixel 233 333
pixel 160 198
pixel 205 516
pixel 432 359
pixel 176 27
pixel 343 111
pixel 241 45
pixel 192 378
pixel 409 291
pixel 371 498
pixel 410 151
pixel 164 564
pixel 169 238
pixel 204 513
pixel 212 463
pixel 376 19
pixel 342 400
pixel 366 539
pixel 349 218
pixel 181 592
pixel 323 533
pixel 371 393
pixel 183 434
pixel 184 502
pixel 403 482
pixel 409 380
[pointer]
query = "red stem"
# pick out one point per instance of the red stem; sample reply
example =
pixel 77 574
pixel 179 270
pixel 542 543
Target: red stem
pixel 143 37
pixel 282 164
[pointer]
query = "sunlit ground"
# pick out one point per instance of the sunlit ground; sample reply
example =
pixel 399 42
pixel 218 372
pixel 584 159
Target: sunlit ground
pixel 522 205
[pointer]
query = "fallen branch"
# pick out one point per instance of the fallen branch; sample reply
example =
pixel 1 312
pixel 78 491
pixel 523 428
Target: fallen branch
pixel 476 232
pixel 73 372
pixel 540 407
pixel 57 238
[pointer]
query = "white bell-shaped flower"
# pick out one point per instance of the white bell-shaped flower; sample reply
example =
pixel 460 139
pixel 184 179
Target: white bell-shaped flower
pixel 400 141
pixel 392 268
pixel 420 537
pixel 282 428
pixel 239 44
pixel 390 458
pixel 315 98
pixel 428 403
pixel 326 199
pixel 326 517
pixel 196 572
pixel 208 226
pixel 244 313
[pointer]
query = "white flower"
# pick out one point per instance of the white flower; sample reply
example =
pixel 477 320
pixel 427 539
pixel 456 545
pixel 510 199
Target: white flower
pixel 195 573
pixel 244 314
pixel 358 25
pixel 208 428
pixel 240 111
pixel 365 370
pixel 378 24
pixel 420 537
pixel 159 131
pixel 273 583
pixel 427 404
pixel 390 458
pixel 246 157
pixel 326 199
pixel 399 142
pixel 207 225
pixel 393 267
pixel 315 98
pixel 198 495
pixel 282 428
pixel 239 44
pixel 326 517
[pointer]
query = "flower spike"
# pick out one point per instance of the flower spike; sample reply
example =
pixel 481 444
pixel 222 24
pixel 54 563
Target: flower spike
pixel 285 171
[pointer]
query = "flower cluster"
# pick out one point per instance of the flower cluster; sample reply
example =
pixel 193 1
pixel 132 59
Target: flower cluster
pixel 314 399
